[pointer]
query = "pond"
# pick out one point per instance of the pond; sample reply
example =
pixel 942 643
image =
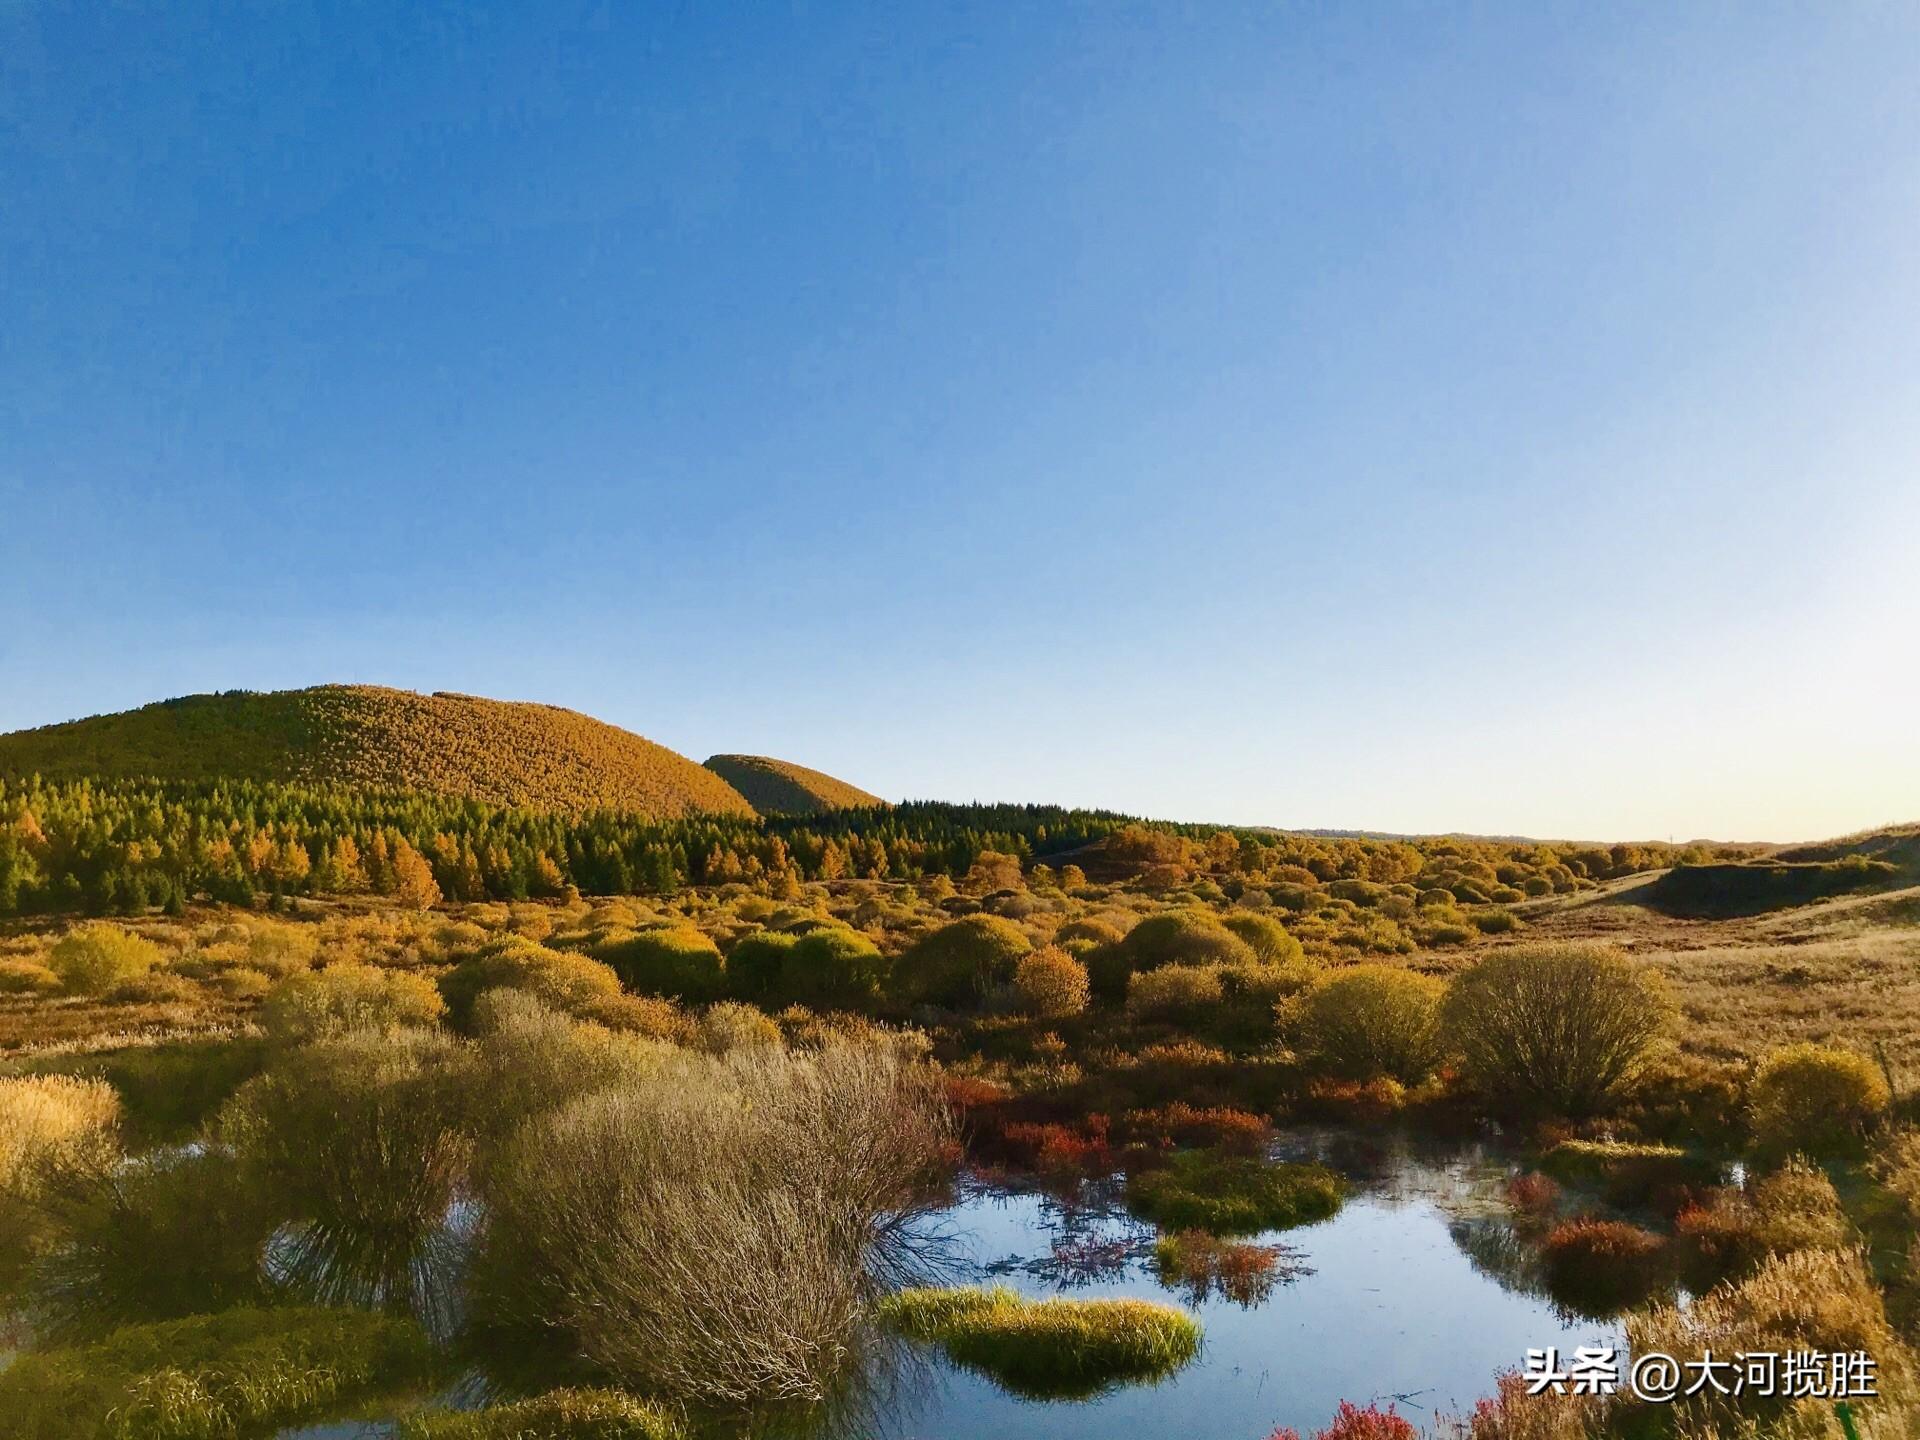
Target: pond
pixel 1417 1293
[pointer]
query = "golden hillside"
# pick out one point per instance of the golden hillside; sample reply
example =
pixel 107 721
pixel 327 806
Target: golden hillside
pixel 505 752
pixel 779 787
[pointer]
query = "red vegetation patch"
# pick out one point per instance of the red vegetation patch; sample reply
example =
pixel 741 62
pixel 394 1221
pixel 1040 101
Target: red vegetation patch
pixel 1533 1196
pixel 1239 1131
pixel 1350 1422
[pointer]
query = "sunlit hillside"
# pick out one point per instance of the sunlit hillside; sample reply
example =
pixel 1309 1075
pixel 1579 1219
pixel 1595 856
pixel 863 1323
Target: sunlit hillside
pixel 779 787
pixel 362 735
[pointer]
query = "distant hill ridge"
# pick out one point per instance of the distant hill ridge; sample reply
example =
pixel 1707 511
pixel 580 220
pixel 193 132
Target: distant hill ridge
pixel 505 752
pixel 780 787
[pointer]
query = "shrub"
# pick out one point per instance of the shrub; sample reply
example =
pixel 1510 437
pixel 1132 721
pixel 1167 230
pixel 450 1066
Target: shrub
pixel 1049 983
pixel 241 1371
pixel 47 1123
pixel 1048 1348
pixel 729 1025
pixel 756 967
pixel 46 1117
pixel 1565 1027
pixel 1237 1131
pixel 833 969
pixel 1627 1172
pixel 361 1143
pixel 1183 937
pixel 708 1235
pixel 1372 1020
pixel 1233 1194
pixel 1795 1208
pixel 681 963
pixel 564 981
pixel 1495 922
pixel 532 1059
pixel 98 958
pixel 1091 928
pixel 557 1415
pixel 169 1234
pixel 1815 1100
pixel 319 1003
pixel 1268 939
pixel 1601 1267
pixel 1174 992
pixel 962 963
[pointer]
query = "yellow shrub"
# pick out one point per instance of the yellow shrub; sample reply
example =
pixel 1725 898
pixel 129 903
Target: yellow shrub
pixel 1815 1099
pixel 100 957
pixel 347 997
pixel 1173 991
pixel 1050 983
pixel 1371 1020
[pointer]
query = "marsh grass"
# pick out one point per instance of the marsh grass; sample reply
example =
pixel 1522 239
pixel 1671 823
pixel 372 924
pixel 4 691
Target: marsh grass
pixel 1054 1348
pixel 570 1414
pixel 714 1233
pixel 1229 1194
pixel 210 1376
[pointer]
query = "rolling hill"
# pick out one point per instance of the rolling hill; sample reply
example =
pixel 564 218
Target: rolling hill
pixel 505 752
pixel 779 787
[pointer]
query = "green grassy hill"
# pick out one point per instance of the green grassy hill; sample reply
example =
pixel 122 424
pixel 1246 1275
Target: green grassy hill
pixel 779 787
pixel 504 752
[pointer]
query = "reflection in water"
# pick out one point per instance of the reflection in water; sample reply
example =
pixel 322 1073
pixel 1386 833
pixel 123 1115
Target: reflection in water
pixel 1419 1291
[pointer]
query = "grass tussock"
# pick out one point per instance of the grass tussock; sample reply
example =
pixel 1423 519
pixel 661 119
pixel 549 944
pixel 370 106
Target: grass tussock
pixel 558 1415
pixel 209 1377
pixel 1047 1348
pixel 1229 1194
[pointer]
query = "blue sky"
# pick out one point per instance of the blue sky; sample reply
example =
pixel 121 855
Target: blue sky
pixel 1501 418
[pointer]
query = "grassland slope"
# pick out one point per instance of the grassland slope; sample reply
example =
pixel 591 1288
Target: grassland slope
pixel 779 787
pixel 504 752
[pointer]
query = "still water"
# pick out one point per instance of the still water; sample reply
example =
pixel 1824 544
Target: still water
pixel 1415 1294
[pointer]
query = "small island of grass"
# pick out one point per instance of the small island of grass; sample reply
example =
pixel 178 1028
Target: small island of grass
pixel 1047 1348
pixel 1234 1194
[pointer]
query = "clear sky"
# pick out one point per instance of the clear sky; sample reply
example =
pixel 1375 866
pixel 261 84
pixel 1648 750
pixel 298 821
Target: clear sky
pixel 1496 417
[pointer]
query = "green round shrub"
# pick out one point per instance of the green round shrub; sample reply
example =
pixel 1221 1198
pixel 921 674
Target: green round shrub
pixel 1367 1021
pixel 756 966
pixel 1183 937
pixel 1268 939
pixel 1564 1028
pixel 681 963
pixel 962 963
pixel 1816 1100
pixel 834 969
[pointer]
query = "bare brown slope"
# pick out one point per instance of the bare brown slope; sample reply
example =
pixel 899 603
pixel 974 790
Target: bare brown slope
pixel 501 751
pixel 779 787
